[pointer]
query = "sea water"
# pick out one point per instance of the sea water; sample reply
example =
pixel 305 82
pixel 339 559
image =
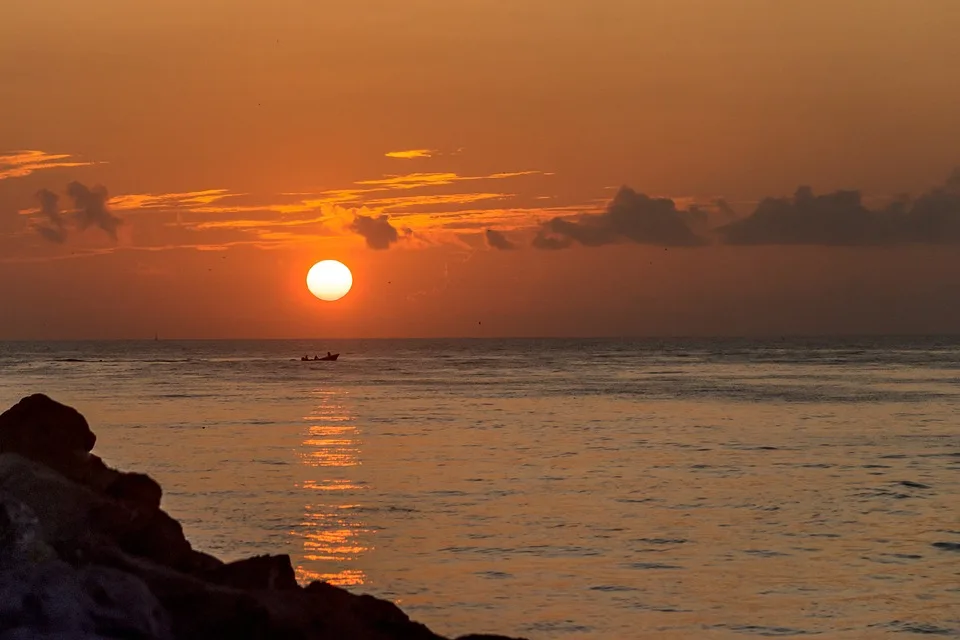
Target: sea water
pixel 556 488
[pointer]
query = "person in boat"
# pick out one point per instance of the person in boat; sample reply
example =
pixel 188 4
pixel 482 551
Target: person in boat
pixel 329 354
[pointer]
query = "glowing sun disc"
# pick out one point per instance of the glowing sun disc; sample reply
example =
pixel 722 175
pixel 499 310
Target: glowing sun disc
pixel 329 280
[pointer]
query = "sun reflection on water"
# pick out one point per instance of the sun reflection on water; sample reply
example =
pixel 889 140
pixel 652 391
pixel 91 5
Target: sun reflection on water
pixel 333 534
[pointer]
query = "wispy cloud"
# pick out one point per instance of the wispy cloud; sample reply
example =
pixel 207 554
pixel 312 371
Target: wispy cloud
pixel 187 200
pixel 419 180
pixel 433 200
pixel 19 164
pixel 410 154
pixel 252 223
pixel 383 211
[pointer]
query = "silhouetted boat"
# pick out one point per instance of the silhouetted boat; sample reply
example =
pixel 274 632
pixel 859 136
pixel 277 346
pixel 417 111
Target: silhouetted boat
pixel 330 357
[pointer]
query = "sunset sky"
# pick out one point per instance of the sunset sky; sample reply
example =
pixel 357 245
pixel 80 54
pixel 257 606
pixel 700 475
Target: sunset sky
pixel 484 167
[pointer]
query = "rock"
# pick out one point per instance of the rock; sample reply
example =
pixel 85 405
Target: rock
pixel 121 606
pixel 40 594
pixel 39 426
pixel 260 572
pixel 56 435
pixel 136 488
pixel 157 536
pixel 380 618
pixel 52 597
pixel 68 510
pixel 21 539
pixel 199 609
pixel 64 509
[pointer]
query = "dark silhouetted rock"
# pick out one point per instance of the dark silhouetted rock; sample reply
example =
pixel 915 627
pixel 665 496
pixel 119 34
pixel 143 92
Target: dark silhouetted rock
pixel 21 538
pixel 39 426
pixel 54 597
pixel 86 553
pixel 157 536
pixel 259 572
pixel 64 509
pixel 136 488
pixel 56 435
pixel 378 615
pixel 41 594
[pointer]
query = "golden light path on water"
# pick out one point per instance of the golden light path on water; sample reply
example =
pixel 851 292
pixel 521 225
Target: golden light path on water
pixel 331 529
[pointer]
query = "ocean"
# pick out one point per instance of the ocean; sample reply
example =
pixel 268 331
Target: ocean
pixel 556 488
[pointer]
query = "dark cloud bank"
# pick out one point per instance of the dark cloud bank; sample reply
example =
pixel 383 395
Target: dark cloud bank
pixel 377 231
pixel 833 219
pixel 89 210
pixel 496 240
pixel 630 217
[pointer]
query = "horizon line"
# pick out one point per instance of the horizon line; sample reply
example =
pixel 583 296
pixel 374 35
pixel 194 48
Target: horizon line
pixel 678 337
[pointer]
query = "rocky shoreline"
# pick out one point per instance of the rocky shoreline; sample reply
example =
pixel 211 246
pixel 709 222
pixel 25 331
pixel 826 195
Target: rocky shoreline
pixel 86 552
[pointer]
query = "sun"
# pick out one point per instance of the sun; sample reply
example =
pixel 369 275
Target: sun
pixel 329 280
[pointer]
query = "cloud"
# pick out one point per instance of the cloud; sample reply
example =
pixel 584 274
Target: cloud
pixel 91 208
pixel 53 227
pixel 410 154
pixel 550 243
pixel 837 218
pixel 376 230
pixel 725 210
pixel 419 180
pixel 630 217
pixel 425 200
pixel 22 163
pixel 841 219
pixel 166 201
pixel 932 218
pixel 497 240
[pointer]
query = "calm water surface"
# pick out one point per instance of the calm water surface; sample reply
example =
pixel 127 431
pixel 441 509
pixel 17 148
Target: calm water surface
pixel 556 489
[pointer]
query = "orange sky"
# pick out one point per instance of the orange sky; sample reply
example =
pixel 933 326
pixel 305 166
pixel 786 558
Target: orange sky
pixel 177 167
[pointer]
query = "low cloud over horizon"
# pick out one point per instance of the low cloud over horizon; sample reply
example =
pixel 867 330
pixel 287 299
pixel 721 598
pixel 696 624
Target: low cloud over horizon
pixel 630 217
pixel 837 219
pixel 841 219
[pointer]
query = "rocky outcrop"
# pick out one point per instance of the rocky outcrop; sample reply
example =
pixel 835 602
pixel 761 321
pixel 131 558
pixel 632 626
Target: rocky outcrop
pixel 87 552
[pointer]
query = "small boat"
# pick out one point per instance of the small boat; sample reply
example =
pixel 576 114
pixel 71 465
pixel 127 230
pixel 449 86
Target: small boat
pixel 330 357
